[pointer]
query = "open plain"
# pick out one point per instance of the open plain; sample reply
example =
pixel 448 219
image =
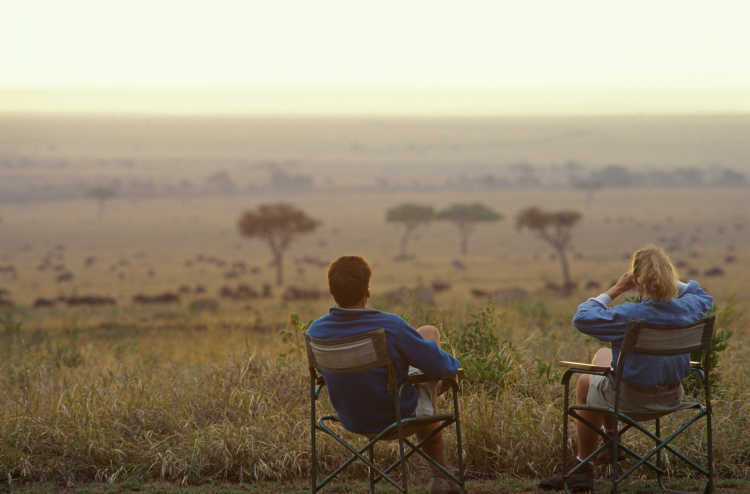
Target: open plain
pixel 145 340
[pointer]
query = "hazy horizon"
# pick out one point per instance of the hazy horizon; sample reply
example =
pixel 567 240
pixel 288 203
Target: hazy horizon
pixel 376 101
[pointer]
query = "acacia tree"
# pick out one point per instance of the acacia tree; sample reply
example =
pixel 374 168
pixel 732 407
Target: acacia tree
pixel 278 225
pixel 412 216
pixel 466 217
pixel 554 227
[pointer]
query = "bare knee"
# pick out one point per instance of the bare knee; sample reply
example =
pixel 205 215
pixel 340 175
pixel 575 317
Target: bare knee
pixel 603 356
pixel 429 332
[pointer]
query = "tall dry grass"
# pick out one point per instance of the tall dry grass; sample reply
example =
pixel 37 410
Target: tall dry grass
pixel 220 401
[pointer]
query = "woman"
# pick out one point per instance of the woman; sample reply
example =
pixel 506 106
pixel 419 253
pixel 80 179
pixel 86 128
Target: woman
pixel 650 382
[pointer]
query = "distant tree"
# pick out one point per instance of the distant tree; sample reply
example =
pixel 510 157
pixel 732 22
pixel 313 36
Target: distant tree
pixel 554 227
pixel 412 216
pixel 220 182
pixel 526 174
pixel 730 177
pixel 466 217
pixel 102 194
pixel 615 176
pixel 589 188
pixel 278 225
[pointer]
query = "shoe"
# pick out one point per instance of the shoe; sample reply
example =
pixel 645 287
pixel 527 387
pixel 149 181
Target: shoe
pixel 605 457
pixel 581 481
pixel 442 485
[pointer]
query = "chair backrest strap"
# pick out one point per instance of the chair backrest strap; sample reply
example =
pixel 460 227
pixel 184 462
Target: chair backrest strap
pixel 669 340
pixel 349 354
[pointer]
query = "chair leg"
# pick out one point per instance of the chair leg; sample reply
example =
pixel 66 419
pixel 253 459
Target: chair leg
pixel 615 452
pixel 710 453
pixel 657 433
pixel 404 477
pixel 565 438
pixel 459 445
pixel 371 451
pixel 313 455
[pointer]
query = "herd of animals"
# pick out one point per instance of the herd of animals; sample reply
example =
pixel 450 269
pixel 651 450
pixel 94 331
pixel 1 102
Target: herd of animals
pixel 681 245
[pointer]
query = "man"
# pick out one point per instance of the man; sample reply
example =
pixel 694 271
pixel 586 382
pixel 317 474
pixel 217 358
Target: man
pixel 361 399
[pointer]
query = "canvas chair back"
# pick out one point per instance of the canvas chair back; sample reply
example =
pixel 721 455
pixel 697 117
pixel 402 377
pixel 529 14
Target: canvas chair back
pixel 351 354
pixel 651 339
pixel 668 340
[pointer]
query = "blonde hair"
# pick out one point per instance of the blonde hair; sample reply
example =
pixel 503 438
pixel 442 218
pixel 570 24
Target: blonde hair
pixel 655 273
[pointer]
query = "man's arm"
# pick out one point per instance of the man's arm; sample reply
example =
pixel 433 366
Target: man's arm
pixel 425 354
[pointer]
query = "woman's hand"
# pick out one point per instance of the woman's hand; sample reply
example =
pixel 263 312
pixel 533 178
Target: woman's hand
pixel 625 282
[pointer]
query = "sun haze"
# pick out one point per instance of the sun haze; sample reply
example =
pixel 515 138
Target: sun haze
pixel 375 57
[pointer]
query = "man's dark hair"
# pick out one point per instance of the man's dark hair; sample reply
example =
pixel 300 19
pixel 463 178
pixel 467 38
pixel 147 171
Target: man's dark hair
pixel 349 280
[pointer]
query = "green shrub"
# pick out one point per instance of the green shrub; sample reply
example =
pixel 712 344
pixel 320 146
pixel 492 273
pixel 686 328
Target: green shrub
pixel 485 359
pixel 727 318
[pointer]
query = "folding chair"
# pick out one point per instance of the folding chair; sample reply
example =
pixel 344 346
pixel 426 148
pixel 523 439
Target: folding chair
pixel 647 339
pixel 356 354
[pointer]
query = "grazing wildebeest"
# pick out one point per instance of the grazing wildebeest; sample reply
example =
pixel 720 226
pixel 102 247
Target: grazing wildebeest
pixel 511 294
pixel 592 285
pixel 480 293
pixel 440 286
pixel 422 294
pixel 10 270
pixel 243 292
pixel 163 298
pixel 90 300
pixel 295 293
pixel 65 277
pixel 204 305
pixel 715 271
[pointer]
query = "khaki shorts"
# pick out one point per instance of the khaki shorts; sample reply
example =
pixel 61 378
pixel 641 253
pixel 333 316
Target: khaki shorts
pixel 634 401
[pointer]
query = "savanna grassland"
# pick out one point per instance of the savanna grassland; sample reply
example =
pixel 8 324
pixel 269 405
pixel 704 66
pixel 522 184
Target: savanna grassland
pixel 163 392
pixel 115 397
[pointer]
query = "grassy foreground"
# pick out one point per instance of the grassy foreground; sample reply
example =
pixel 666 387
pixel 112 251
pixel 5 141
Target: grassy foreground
pixel 512 486
pixel 154 395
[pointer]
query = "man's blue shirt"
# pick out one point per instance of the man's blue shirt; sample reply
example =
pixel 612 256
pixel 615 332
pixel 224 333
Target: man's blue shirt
pixel 361 399
pixel 609 323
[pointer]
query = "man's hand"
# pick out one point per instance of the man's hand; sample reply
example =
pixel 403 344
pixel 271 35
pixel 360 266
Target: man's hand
pixel 623 284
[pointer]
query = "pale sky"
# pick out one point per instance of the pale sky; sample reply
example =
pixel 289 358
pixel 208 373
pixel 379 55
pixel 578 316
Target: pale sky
pixel 281 55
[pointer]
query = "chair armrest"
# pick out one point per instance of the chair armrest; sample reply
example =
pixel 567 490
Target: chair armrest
pixel 419 377
pixel 583 367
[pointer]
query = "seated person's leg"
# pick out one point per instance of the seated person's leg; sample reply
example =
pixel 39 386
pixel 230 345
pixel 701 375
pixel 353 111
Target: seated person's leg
pixel 587 439
pixel 434 447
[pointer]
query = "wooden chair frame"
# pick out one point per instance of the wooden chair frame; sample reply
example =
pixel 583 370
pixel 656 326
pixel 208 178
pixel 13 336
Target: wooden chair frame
pixel 648 339
pixel 361 352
